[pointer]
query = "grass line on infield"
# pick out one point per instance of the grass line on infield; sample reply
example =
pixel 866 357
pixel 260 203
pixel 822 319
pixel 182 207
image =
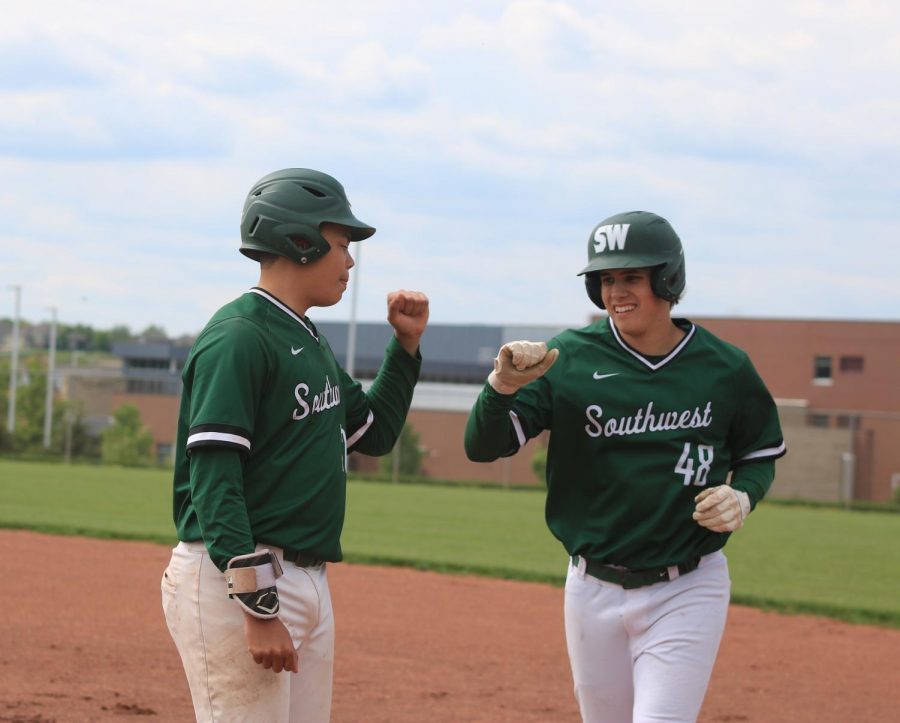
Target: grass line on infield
pixel 93 532
pixel 858 615
pixel 824 561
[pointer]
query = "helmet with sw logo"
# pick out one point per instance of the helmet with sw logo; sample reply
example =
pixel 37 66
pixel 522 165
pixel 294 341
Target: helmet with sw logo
pixel 636 239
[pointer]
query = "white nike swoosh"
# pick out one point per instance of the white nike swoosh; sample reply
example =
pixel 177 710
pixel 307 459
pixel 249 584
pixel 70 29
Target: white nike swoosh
pixel 295 352
pixel 597 375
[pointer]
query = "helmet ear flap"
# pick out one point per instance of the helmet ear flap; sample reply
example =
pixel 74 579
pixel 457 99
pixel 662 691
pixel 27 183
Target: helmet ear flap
pixel 300 242
pixel 303 242
pixel 307 250
pixel 592 286
pixel 668 281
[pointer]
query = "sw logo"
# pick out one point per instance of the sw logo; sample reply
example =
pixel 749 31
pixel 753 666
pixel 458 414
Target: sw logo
pixel 610 237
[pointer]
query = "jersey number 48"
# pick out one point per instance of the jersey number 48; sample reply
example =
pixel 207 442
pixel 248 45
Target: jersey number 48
pixel 685 465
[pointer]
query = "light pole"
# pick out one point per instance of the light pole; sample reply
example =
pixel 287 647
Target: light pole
pixel 51 369
pixel 14 363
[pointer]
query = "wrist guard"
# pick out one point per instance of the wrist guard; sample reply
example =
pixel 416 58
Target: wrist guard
pixel 251 582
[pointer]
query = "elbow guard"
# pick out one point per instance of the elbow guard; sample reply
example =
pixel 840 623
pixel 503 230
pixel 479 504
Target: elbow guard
pixel 251 582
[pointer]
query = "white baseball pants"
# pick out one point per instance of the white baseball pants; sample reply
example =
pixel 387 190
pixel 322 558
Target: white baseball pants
pixel 208 629
pixel 645 654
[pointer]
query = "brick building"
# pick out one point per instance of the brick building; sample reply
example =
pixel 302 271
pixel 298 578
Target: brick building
pixel 843 379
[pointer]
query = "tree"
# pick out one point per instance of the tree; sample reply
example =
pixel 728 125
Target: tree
pixel 153 333
pixel 76 439
pixel 82 337
pixel 6 442
pixel 539 464
pixel 30 405
pixel 127 441
pixel 409 454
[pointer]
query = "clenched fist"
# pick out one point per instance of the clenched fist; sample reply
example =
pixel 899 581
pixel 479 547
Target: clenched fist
pixel 518 363
pixel 721 508
pixel 408 314
pixel 270 644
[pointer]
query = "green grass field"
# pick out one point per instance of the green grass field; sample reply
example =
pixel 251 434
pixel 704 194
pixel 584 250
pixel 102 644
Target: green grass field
pixel 839 563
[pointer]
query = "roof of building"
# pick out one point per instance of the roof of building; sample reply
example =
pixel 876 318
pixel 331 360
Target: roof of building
pixel 451 352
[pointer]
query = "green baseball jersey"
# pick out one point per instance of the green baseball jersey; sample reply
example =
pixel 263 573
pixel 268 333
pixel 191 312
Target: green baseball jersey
pixel 633 440
pixel 266 421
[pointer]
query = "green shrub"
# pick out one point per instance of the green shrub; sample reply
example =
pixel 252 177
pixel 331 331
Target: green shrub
pixel 409 455
pixel 127 442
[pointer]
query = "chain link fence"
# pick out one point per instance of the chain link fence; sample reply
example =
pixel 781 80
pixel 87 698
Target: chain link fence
pixel 838 455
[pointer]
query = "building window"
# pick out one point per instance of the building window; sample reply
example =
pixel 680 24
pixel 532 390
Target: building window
pixel 817 420
pixel 842 421
pixel 141 363
pixel 822 370
pixel 851 363
pixel 144 386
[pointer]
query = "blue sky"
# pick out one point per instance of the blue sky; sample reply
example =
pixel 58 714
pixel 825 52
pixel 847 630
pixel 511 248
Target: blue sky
pixel 484 140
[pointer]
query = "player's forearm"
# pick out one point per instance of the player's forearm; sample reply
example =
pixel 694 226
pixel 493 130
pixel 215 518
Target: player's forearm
pixel 489 431
pixel 389 398
pixel 410 343
pixel 217 496
pixel 754 479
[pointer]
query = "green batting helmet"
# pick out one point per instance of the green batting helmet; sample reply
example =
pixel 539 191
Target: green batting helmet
pixel 633 240
pixel 290 206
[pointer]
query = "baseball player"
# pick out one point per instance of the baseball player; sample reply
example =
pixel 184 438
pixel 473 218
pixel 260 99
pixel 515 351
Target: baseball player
pixel 267 419
pixel 649 415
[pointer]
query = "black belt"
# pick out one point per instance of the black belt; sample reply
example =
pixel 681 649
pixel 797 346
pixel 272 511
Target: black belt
pixel 630 579
pixel 302 559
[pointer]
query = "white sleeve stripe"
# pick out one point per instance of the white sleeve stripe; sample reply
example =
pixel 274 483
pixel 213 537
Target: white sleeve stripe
pixel 361 431
pixel 768 452
pixel 517 425
pixel 218 437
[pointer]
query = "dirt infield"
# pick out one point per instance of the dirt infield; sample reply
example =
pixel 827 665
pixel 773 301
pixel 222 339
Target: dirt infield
pixel 83 639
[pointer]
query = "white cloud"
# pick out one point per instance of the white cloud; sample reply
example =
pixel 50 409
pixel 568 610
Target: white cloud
pixel 483 140
pixel 369 74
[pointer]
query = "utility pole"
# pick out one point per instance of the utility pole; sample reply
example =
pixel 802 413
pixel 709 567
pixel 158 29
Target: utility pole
pixel 351 328
pixel 14 363
pixel 51 369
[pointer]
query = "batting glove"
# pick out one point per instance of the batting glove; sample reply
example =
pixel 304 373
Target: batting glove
pixel 518 363
pixel 721 508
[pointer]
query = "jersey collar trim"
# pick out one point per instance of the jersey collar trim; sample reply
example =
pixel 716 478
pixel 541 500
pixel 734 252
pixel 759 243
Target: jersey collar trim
pixel 286 309
pixel 644 360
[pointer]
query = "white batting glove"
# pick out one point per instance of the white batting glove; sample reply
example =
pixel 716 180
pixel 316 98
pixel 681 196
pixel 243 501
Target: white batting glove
pixel 518 363
pixel 721 508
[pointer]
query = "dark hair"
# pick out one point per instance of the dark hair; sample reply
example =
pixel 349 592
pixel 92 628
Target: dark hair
pixel 266 260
